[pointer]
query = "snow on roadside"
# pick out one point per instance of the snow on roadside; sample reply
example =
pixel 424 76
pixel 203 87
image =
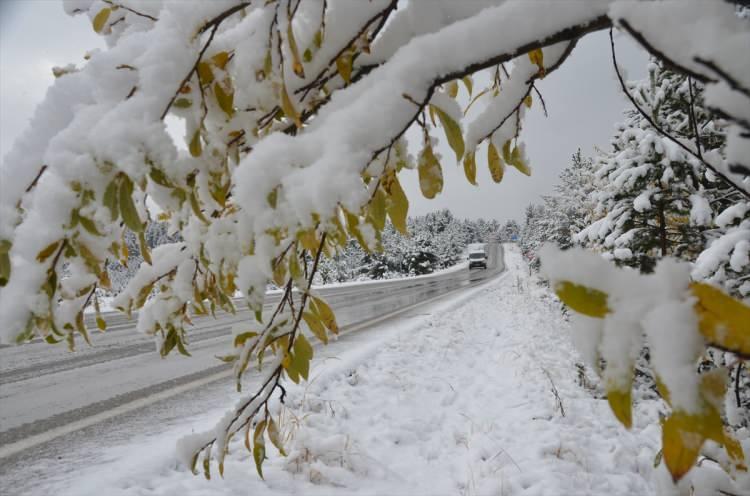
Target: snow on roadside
pixel 460 404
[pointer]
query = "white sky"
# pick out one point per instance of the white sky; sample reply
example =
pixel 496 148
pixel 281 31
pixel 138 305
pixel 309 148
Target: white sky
pixel 583 99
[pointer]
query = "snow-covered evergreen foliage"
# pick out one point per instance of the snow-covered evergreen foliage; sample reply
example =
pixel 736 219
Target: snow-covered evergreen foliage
pixel 657 200
pixel 436 240
pixel 562 214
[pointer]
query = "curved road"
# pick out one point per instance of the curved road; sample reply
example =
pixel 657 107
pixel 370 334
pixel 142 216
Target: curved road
pixel 46 392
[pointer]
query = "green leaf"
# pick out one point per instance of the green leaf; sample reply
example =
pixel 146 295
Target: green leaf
pixel 127 207
pixel 587 301
pixel 494 163
pixel 5 246
pixel 452 132
pixel 182 103
pixel 89 225
pixel 181 347
pixel 110 199
pixel 101 19
pixel 196 207
pixel 157 175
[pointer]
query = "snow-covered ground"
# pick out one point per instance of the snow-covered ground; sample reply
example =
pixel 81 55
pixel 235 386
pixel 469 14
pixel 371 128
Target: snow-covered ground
pixel 459 398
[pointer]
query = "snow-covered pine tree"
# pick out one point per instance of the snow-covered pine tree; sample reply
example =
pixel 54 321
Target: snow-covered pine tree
pixel 651 197
pixel 562 214
pixel 510 231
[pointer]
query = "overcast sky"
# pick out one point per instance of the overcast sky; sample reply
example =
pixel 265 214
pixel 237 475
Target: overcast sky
pixel 583 99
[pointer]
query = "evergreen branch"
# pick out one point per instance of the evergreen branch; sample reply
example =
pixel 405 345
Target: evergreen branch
pixel 661 130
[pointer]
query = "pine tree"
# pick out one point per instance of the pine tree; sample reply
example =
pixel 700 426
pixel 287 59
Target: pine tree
pixel 652 199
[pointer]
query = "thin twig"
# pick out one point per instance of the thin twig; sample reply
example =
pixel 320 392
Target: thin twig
pixel 193 70
pixel 125 7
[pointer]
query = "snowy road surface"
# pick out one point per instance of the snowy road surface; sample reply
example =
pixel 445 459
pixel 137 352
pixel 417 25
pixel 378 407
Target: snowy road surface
pixel 458 396
pixel 46 392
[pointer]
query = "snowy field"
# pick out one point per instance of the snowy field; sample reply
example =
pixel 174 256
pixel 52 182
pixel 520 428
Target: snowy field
pixel 458 398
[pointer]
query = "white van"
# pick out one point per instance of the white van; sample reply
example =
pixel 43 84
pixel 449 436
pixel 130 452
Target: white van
pixel 478 255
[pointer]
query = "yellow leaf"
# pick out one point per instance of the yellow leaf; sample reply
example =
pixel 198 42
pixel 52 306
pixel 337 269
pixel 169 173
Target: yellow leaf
pixel 680 444
pixel 517 161
pixel 470 168
pixel 527 101
pixel 101 19
pixel 479 95
pixel 352 222
pixel 296 63
pixel 506 152
pixel 344 66
pixel 288 108
pixel 225 99
pixel 468 83
pixel 377 211
pixel 724 321
pixel 279 273
pixel 47 252
pixel 326 314
pixel 452 132
pixel 274 435
pixel 430 173
pixel 734 450
pixel 145 253
pixel 195 146
pixel 537 57
pixel 497 168
pixel 398 204
pixel 620 403
pixel 259 447
pixel 220 59
pixel 587 301
pixel 452 89
pixel 205 74
pixel 316 326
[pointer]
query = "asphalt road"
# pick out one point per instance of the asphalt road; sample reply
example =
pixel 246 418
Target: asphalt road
pixel 47 392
